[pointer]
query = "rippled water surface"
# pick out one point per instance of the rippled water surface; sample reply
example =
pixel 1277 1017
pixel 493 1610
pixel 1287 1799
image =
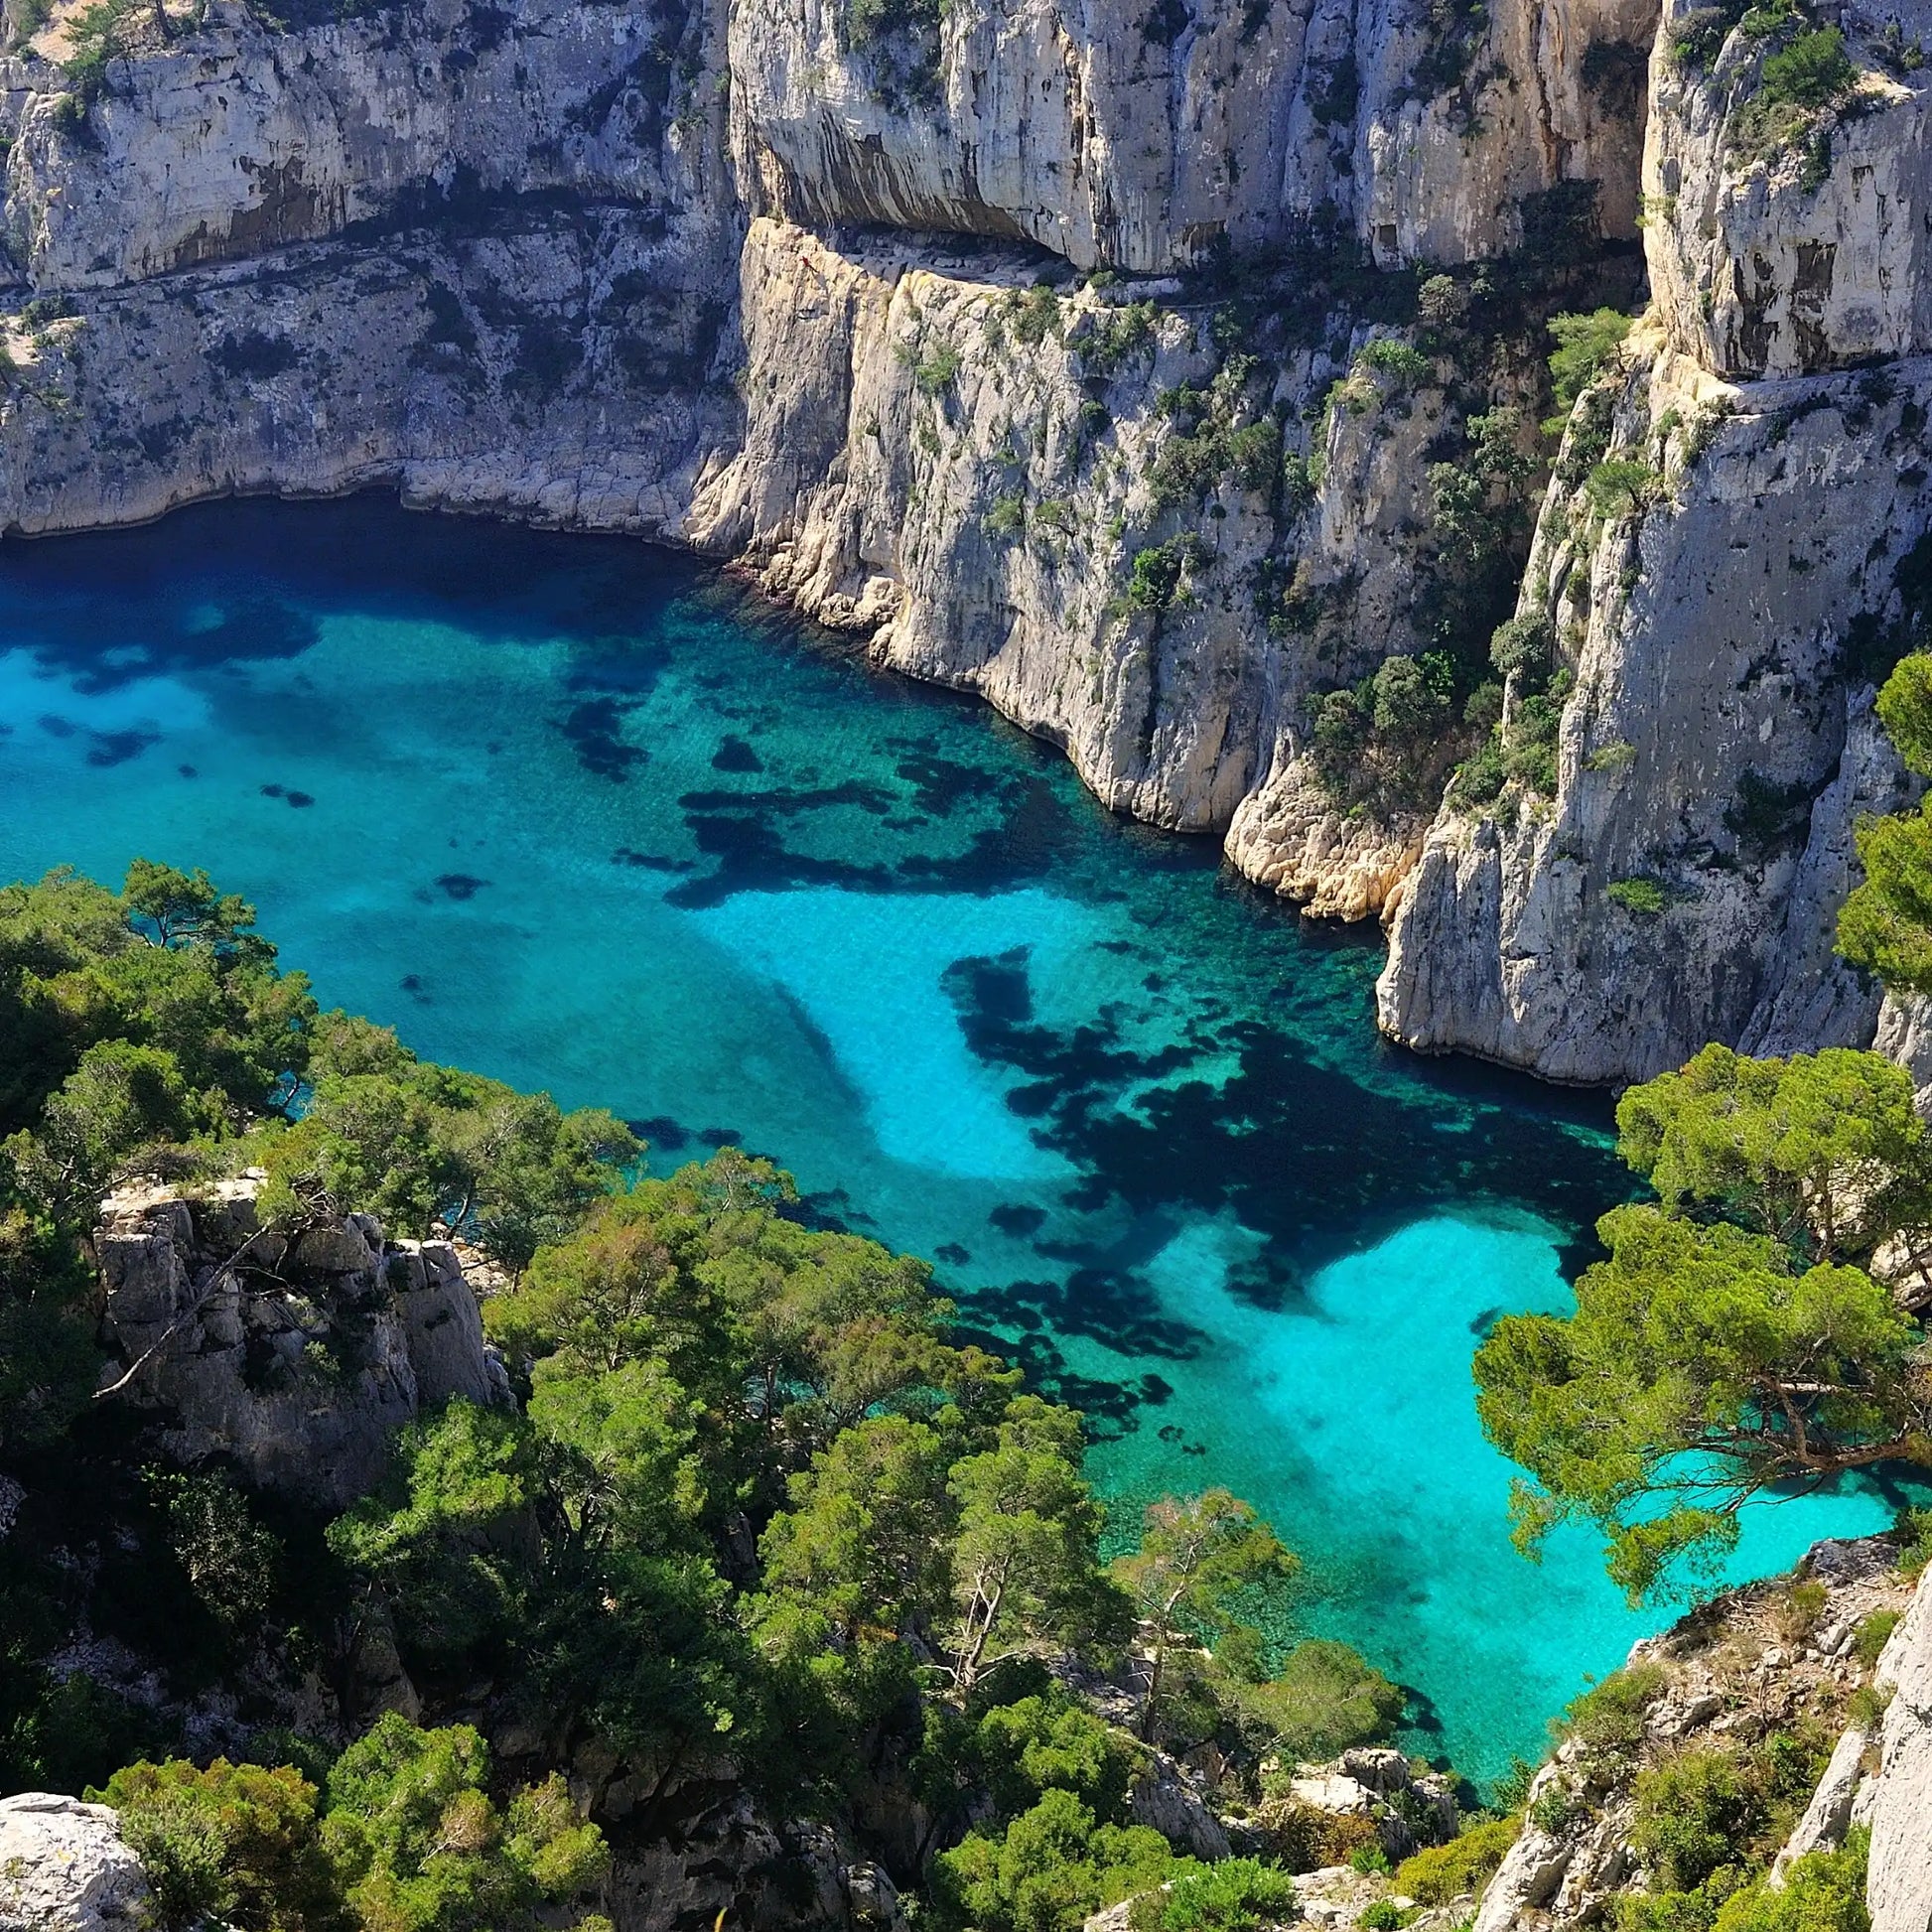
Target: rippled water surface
pixel 569 811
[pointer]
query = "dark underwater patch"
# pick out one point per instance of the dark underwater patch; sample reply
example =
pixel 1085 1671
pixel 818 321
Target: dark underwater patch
pixel 663 1133
pixel 939 784
pixel 592 728
pixel 56 726
pixel 300 800
pixel 650 861
pixel 118 748
pixel 735 754
pixel 1312 1162
pixel 717 1137
pixel 1018 1220
pixel 460 886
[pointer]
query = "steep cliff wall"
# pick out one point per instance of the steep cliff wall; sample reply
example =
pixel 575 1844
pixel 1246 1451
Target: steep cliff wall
pixel 769 281
pixel 1147 136
pixel 998 481
pixel 1728 567
pixel 1786 238
pixel 487 256
pixel 1719 747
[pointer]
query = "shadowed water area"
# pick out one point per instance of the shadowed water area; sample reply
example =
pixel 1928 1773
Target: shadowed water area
pixel 575 813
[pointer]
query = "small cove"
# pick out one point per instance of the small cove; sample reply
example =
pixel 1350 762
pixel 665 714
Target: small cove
pixel 574 813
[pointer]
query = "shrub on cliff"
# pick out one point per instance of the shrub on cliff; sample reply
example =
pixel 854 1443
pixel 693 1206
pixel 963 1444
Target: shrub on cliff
pixel 1822 1891
pixel 1885 926
pixel 420 1846
pixel 1442 1874
pixel 235 1842
pixel 1326 1699
pixel 1049 1870
pixel 1584 347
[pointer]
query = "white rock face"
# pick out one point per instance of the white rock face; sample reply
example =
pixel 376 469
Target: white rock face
pixel 1827 1817
pixel 1145 134
pixel 1289 834
pixel 238 139
pixel 1761 266
pixel 1718 744
pixel 300 1391
pixel 65 1867
pixel 1899 1885
pixel 912 471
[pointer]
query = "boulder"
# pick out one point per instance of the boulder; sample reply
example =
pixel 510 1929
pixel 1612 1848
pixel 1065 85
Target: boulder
pixel 65 1867
pixel 1162 1796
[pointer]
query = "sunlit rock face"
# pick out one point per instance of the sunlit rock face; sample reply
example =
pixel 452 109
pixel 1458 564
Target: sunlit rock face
pixel 294 1360
pixel 1776 253
pixel 1156 136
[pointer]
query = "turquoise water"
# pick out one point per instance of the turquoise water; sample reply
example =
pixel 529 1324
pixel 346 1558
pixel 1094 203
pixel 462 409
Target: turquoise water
pixel 574 813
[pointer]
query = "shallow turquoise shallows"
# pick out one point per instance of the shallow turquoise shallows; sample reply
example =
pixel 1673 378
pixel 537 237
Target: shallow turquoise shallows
pixel 569 811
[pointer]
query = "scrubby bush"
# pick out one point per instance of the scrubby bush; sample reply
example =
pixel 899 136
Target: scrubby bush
pixel 1584 345
pixel 1871 1635
pixel 1116 337
pixel 421 1846
pixel 1443 1874
pixel 1390 356
pixel 1619 487
pixel 1326 1699
pixel 1307 1838
pixel 1608 1717
pixel 1694 1814
pixel 1051 1869
pixel 1644 897
pixel 233 1843
pixel 1520 645
pixel 1813 72
pixel 1822 1892
pixel 1235 1895
pixel 1254 455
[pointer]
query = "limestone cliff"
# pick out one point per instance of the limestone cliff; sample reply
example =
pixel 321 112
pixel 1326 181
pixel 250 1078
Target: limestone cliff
pixel 1728 558
pixel 987 477
pixel 65 1867
pixel 500 260
pixel 291 1359
pixel 1719 747
pixel 1756 1665
pixel 1148 136
pixel 793 282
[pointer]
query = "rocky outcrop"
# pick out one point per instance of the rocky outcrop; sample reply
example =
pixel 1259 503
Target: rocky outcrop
pixel 1335 860
pixel 1898 1887
pixel 65 1867
pixel 1752 1664
pixel 240 139
pixel 292 1360
pixel 1720 746
pixel 1783 242
pixel 483 257
pixel 1150 137
pixel 728 1860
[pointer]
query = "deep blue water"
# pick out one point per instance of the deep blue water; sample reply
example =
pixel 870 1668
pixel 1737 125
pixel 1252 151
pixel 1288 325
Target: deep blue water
pixel 575 813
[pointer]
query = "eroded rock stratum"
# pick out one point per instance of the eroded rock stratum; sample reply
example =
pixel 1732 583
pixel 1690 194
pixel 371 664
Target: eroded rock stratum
pixel 1155 371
